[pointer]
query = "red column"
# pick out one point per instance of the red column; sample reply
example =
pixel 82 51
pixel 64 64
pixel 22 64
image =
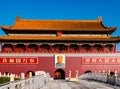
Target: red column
pixel 39 48
pixel 79 48
pixel 91 48
pixel 27 50
pixel 114 48
pixel 14 48
pixel 68 48
pixel 103 48
pixel 51 49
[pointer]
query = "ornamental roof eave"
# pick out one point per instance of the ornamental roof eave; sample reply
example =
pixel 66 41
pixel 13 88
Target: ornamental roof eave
pixel 58 25
pixel 58 38
pixel 58 29
pixel 111 29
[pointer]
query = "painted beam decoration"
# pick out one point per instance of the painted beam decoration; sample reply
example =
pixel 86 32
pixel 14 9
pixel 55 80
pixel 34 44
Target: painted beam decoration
pixel 18 60
pixel 101 60
pixel 59 61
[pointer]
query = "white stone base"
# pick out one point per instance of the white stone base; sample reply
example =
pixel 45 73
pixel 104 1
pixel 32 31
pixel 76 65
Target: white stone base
pixel 73 79
pixel 51 78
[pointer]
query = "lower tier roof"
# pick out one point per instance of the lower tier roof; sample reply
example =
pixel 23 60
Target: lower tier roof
pixel 59 38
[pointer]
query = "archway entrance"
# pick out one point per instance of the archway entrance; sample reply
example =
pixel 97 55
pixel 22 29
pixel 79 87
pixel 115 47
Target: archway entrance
pixel 59 74
pixel 27 74
pixel 88 71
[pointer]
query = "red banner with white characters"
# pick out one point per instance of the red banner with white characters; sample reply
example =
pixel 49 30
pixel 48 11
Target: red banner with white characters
pixel 101 60
pixel 18 60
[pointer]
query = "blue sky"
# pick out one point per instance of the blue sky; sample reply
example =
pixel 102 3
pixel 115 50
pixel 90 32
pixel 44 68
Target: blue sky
pixel 109 10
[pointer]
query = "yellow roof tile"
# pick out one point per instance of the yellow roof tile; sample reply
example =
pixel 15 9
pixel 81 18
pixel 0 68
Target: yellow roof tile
pixel 61 25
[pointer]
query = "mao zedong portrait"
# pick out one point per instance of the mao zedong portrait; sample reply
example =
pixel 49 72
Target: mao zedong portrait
pixel 60 63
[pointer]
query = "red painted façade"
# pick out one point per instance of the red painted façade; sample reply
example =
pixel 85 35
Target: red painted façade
pixel 86 46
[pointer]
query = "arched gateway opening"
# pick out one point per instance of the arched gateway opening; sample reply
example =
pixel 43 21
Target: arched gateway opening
pixel 59 74
pixel 27 75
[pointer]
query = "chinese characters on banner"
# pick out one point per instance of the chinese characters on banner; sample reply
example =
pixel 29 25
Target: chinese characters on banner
pixel 101 60
pixel 18 60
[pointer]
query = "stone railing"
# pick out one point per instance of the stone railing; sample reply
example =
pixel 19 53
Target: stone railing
pixel 102 77
pixel 33 82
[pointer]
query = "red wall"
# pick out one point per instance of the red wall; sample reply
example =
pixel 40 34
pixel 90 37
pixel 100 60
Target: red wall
pixel 72 63
pixel 47 64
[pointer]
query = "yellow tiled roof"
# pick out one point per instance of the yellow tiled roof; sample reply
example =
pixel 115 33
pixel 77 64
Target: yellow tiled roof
pixel 58 38
pixel 61 25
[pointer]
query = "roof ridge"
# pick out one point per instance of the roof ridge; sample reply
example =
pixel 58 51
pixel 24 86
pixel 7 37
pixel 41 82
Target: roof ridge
pixel 62 20
pixel 59 20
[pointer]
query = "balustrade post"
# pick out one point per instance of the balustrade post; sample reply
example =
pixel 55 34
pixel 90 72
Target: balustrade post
pixel 109 72
pixel 0 74
pixel 77 75
pixel 4 74
pixel 11 77
pixel 116 75
pixel 104 76
pixel 30 74
pixel 69 74
pixel 8 75
pixel 22 76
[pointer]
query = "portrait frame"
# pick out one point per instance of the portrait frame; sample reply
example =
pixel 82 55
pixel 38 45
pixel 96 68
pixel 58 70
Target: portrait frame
pixel 56 61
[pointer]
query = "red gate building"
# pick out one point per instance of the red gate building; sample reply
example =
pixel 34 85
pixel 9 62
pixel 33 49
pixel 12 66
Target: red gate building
pixel 58 46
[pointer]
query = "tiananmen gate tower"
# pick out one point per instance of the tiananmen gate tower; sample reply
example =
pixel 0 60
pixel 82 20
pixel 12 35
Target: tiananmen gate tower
pixel 58 46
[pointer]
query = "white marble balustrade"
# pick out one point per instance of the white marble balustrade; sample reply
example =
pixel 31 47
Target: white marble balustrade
pixel 35 82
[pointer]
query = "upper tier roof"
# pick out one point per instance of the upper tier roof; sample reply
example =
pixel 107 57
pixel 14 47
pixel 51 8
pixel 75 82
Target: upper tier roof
pixel 58 25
